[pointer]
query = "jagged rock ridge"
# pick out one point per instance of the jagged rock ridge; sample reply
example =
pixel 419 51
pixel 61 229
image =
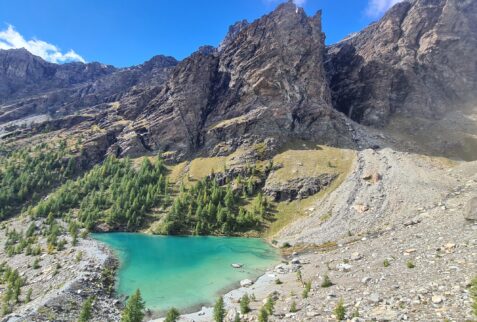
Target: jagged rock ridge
pixel 270 80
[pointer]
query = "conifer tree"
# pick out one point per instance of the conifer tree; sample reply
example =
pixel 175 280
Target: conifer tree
pixel 134 310
pixel 85 314
pixel 219 310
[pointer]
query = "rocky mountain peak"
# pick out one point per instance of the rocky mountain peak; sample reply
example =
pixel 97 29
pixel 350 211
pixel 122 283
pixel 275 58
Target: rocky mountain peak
pixel 266 81
pixel 270 80
pixel 234 30
pixel 418 59
pixel 160 61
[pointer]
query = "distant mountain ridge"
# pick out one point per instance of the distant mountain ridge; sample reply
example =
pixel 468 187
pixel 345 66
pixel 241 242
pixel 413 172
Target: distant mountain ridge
pixel 271 80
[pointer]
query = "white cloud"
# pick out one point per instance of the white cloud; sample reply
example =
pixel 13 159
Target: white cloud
pixel 10 38
pixel 377 7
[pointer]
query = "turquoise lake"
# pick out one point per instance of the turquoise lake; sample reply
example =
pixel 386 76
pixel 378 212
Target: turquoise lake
pixel 184 272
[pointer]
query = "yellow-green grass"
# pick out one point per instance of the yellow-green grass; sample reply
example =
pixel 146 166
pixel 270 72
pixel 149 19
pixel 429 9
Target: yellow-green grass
pixel 314 162
pixel 202 167
pixel 177 172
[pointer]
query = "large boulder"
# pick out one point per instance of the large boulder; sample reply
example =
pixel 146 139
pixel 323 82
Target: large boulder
pixel 470 212
pixel 297 188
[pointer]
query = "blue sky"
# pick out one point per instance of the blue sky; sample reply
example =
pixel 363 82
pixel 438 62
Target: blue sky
pixel 129 32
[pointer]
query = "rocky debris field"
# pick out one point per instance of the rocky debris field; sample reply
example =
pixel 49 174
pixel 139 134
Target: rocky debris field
pixel 410 256
pixel 62 280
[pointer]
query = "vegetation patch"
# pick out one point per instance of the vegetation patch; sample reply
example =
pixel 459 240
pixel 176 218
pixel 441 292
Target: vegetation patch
pixel 113 193
pixel 210 209
pixel 26 173
pixel 307 163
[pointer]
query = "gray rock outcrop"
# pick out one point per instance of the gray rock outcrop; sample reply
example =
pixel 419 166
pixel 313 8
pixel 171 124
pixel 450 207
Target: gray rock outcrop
pixel 470 212
pixel 418 59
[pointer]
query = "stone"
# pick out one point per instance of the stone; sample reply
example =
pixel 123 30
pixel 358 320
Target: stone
pixel 375 298
pixel 356 319
pixel 412 222
pixel 298 187
pixel 356 256
pixel 449 246
pixel 361 208
pixel 470 212
pixel 311 314
pixel 246 283
pixel 343 267
pixel 366 280
pixel 437 299
pixel 235 265
pixel 383 313
pixel 295 261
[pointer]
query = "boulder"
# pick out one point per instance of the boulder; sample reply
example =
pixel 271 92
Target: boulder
pixel 470 212
pixel 297 188
pixel 246 283
pixel 343 267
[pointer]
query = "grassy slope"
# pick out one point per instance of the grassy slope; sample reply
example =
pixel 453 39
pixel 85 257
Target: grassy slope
pixel 313 162
pixel 298 160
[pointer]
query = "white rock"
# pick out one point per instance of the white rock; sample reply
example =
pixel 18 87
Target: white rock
pixel 437 299
pixel 365 280
pixel 246 283
pixel 295 261
pixel 311 314
pixel 344 267
pixel 375 298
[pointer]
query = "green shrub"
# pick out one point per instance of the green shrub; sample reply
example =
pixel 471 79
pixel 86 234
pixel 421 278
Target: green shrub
pixel 244 304
pixel 36 263
pixel 263 315
pixel 85 314
pixel 340 310
pixel 473 295
pixel 286 245
pixel 293 308
pixel 172 315
pixel 28 295
pixel 269 305
pixel 326 281
pixel 307 289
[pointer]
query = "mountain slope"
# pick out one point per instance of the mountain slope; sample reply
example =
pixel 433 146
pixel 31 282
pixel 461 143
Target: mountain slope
pixel 267 80
pixel 418 59
pixel 243 129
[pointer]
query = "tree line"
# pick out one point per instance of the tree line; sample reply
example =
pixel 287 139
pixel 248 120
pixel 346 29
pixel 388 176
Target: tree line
pixel 208 208
pixel 112 192
pixel 26 173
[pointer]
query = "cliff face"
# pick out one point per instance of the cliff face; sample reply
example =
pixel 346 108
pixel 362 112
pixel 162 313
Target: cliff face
pixel 418 59
pixel 271 80
pixel 266 80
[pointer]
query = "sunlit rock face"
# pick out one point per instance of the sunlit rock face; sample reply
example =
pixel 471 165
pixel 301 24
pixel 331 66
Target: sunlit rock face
pixel 418 59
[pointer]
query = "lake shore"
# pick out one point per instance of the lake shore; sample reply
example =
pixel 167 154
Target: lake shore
pixel 211 255
pixel 62 277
